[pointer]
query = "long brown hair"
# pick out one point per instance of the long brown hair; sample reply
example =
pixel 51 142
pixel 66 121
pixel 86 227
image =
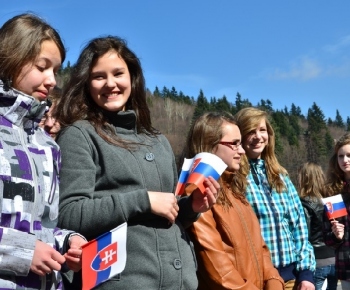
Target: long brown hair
pixel 336 176
pixel 311 181
pixel 248 119
pixel 204 136
pixel 77 104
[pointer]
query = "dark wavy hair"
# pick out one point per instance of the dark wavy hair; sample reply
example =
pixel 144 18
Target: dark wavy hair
pixel 20 43
pixel 77 104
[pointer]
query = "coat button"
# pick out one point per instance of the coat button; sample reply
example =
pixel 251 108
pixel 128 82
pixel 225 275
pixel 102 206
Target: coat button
pixel 177 264
pixel 149 156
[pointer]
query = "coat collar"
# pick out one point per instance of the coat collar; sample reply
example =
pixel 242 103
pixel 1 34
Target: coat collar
pixel 19 108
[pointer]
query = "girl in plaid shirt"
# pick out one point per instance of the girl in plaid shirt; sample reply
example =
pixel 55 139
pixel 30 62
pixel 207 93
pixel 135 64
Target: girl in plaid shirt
pixel 276 202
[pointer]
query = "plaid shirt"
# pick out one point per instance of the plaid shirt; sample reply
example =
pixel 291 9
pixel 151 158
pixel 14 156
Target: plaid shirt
pixel 281 218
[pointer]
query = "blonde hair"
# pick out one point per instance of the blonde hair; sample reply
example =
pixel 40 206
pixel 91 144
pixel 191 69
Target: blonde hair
pixel 336 176
pixel 311 181
pixel 248 119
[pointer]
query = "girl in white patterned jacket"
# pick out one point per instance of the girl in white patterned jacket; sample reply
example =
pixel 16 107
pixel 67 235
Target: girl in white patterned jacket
pixel 32 249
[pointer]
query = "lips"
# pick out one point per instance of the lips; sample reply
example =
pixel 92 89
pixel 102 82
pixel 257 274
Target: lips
pixel 112 95
pixel 41 94
pixel 257 144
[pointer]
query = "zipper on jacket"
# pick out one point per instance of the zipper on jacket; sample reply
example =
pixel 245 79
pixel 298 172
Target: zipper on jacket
pixel 33 173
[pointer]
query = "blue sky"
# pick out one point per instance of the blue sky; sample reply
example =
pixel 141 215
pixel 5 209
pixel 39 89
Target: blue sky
pixel 285 51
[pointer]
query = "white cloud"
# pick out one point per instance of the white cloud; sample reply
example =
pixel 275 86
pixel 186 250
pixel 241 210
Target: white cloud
pixel 343 42
pixel 303 69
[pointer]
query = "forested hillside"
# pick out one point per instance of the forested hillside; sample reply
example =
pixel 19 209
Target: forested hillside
pixel 299 138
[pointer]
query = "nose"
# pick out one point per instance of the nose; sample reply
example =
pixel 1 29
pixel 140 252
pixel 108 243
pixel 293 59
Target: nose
pixel 110 82
pixel 50 79
pixel 241 149
pixel 49 122
pixel 257 134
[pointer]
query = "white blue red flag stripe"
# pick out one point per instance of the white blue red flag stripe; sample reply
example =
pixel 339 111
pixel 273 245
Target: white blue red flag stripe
pixel 334 206
pixel 104 257
pixel 195 170
pixel 185 172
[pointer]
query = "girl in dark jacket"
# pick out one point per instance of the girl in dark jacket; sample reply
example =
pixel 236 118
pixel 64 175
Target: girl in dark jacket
pixel 311 188
pixel 337 232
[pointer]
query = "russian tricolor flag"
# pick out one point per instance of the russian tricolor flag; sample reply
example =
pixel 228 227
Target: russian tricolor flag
pixel 334 206
pixel 195 170
pixel 104 257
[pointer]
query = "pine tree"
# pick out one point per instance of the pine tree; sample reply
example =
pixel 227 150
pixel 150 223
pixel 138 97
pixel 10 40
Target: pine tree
pixel 339 120
pixel 156 92
pixel 295 111
pixel 348 124
pixel 317 128
pixel 173 94
pixel 202 105
pixel 223 105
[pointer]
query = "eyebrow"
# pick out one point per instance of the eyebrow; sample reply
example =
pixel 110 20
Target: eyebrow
pixel 47 60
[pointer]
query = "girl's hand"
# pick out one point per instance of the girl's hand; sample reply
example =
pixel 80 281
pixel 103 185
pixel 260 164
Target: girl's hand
pixel 203 202
pixel 337 229
pixel 164 204
pixel 73 255
pixel 45 259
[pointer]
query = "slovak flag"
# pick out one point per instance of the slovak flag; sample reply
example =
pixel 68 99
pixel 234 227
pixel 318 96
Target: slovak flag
pixel 195 170
pixel 334 206
pixel 104 257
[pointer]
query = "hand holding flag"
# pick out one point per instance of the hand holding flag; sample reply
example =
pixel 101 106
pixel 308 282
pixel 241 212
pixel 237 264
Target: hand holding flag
pixel 337 229
pixel 334 206
pixel 195 170
pixel 104 257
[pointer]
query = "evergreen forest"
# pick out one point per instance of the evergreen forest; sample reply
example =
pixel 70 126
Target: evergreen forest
pixel 299 138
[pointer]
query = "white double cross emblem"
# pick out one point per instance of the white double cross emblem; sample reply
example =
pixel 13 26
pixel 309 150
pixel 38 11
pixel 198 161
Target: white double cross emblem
pixel 108 256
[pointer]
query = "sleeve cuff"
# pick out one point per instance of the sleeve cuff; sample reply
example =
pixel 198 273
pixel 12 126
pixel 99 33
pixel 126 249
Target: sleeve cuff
pixel 186 214
pixel 305 275
pixel 75 234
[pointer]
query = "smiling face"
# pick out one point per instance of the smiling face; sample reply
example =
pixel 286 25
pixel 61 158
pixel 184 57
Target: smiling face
pixel 230 154
pixel 256 140
pixel 344 159
pixel 38 79
pixel 110 82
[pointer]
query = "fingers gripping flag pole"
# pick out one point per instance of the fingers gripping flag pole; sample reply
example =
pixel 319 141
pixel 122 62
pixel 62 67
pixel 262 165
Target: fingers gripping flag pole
pixel 334 206
pixel 104 257
pixel 195 170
